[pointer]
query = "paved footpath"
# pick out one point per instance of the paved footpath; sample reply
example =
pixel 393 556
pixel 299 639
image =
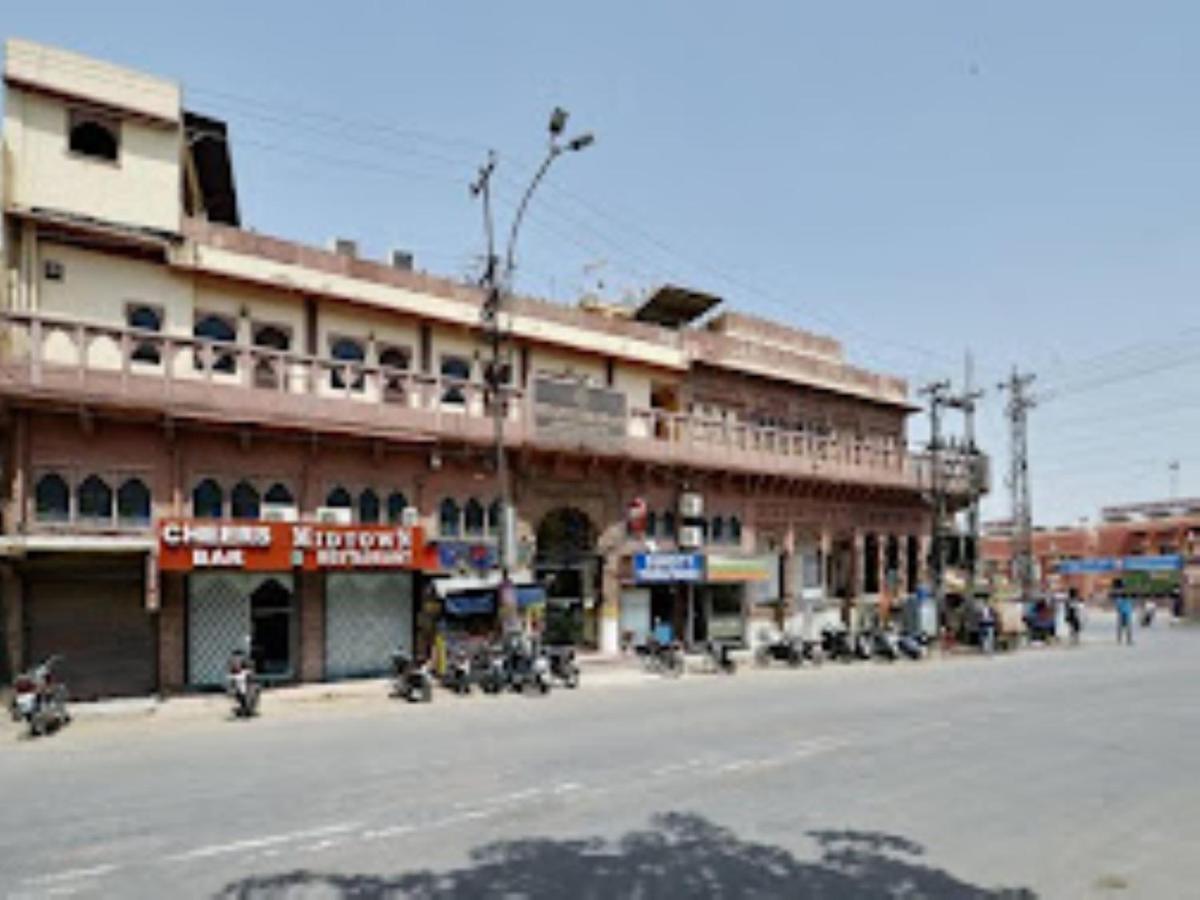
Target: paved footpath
pixel 1067 772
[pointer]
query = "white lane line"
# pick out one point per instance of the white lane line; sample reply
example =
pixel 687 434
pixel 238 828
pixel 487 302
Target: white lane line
pixel 258 843
pixel 517 796
pixel 374 834
pixel 567 787
pixel 71 875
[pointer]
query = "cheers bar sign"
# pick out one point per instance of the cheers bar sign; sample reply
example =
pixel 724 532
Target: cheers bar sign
pixel 184 545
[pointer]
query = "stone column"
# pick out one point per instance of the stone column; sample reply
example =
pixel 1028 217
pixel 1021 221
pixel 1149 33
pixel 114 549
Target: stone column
pixel 172 631
pixel 12 627
pixel 610 604
pixel 311 606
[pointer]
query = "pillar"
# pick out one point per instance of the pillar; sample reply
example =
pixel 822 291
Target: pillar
pixel 312 626
pixel 610 606
pixel 12 622
pixel 172 629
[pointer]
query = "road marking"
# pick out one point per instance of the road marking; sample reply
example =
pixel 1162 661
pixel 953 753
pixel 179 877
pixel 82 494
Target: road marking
pixel 373 834
pixel 71 875
pixel 258 843
pixel 567 787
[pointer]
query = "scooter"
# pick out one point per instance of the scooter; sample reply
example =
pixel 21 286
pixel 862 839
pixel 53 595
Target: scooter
pixel 410 679
pixel 720 658
pixel 836 644
pixel 241 684
pixel 911 646
pixel 493 674
pixel 458 673
pixel 1148 615
pixel 663 658
pixel 528 668
pixel 863 645
pixel 885 645
pixel 563 666
pixel 779 648
pixel 40 699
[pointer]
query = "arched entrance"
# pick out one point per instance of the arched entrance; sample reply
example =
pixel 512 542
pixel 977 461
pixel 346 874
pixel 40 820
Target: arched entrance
pixel 567 564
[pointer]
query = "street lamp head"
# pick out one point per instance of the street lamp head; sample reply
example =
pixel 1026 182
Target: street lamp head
pixel 584 140
pixel 558 121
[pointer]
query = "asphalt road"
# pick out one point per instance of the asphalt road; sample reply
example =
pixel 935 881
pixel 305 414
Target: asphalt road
pixel 1069 772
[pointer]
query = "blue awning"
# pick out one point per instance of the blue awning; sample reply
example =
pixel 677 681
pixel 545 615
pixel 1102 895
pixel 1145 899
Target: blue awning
pixel 470 603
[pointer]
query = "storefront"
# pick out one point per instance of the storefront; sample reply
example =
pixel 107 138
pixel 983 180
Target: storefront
pixel 659 591
pixel 290 591
pixel 734 587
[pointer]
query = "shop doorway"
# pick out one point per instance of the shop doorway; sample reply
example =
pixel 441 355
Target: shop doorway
pixel 271 629
pixel 567 565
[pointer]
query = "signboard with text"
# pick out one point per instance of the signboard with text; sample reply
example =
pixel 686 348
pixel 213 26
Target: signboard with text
pixel 668 568
pixel 186 544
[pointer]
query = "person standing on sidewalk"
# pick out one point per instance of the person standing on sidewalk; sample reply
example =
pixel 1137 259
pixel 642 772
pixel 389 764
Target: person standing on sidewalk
pixel 1124 619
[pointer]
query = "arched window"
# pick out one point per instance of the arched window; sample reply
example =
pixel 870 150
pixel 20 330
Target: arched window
pixel 133 503
pixel 52 498
pixel 244 501
pixel 493 518
pixel 351 353
pixel 145 318
pixel 208 500
pixel 449 521
pixel 396 504
pixel 279 494
pixel 651 523
pixel 473 518
pixel 94 135
pixel 368 507
pixel 340 498
pixel 735 530
pixel 395 361
pixel 456 371
pixel 716 531
pixel 95 499
pixel 268 367
pixel 221 331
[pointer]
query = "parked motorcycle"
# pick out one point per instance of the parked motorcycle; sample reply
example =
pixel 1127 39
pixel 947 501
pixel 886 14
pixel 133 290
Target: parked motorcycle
pixel 40 699
pixel 663 658
pixel 863 645
pixel 884 645
pixel 720 657
pixel 836 644
pixel 779 648
pixel 241 684
pixel 411 679
pixel 911 646
pixel 493 673
pixel 527 667
pixel 563 666
pixel 458 673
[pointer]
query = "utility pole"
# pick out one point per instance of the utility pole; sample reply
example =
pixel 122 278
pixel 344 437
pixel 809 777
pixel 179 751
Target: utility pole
pixel 966 401
pixel 1020 401
pixel 1173 468
pixel 497 285
pixel 937 392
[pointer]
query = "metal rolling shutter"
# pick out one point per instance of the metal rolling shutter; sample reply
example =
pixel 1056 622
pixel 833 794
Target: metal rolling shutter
pixel 96 620
pixel 218 621
pixel 367 617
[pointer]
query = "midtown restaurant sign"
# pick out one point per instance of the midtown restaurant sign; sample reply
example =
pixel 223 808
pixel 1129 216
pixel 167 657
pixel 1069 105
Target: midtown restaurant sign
pixel 188 544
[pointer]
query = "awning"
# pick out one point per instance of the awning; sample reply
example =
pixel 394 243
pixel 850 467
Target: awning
pixel 471 603
pixel 725 569
pixel 20 545
pixel 529 594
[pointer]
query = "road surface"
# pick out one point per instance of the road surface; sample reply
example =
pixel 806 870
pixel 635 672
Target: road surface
pixel 1067 772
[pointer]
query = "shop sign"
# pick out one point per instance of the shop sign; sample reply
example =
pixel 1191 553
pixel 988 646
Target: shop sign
pixel 185 545
pixel 456 556
pixel 663 568
pixel 741 568
pixel 1100 565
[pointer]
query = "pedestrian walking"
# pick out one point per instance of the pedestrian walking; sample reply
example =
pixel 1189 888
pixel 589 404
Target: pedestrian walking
pixel 1124 619
pixel 1074 617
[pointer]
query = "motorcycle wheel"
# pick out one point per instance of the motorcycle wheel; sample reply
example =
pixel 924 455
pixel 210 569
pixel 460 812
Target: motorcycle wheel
pixel 795 659
pixel 762 657
pixel 572 680
pixel 543 685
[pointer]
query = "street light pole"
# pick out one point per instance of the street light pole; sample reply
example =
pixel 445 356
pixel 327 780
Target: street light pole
pixel 497 285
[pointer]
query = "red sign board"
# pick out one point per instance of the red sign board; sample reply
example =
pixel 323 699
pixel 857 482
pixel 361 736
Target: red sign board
pixel 188 544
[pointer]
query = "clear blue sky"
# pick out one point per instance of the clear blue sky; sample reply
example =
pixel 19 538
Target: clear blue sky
pixel 913 177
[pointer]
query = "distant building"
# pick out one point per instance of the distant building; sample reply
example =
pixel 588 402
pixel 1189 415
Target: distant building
pixel 164 370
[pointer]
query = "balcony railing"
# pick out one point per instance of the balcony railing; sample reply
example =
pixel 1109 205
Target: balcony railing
pixel 55 358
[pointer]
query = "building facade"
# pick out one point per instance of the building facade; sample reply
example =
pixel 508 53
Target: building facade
pixel 1149 549
pixel 184 401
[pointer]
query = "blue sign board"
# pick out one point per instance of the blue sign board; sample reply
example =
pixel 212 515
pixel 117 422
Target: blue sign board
pixel 1107 564
pixel 455 556
pixel 668 568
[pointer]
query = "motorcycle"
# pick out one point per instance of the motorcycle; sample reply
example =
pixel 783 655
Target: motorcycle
pixel 528 667
pixel 664 658
pixel 885 645
pixel 779 648
pixel 721 658
pixel 493 674
pixel 241 684
pixel 563 666
pixel 863 646
pixel 836 644
pixel 911 646
pixel 40 699
pixel 410 679
pixel 1148 615
pixel 458 673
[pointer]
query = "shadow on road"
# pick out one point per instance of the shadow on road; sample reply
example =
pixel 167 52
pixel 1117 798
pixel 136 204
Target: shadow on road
pixel 679 856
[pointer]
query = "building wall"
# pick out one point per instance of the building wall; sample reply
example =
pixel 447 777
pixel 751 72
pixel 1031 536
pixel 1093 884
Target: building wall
pixel 141 189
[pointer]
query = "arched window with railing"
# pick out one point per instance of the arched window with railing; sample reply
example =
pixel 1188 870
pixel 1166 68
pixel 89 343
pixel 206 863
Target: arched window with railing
pixel 95 500
pixel 269 367
pixel 368 507
pixel 52 498
pixel 279 494
pixel 339 498
pixel 473 518
pixel 396 504
pixel 148 319
pixel 449 518
pixel 221 332
pixel 349 355
pixel 245 502
pixel 208 500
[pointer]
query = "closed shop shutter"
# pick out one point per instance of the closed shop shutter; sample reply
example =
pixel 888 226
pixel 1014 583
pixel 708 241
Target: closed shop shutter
pixel 367 617
pixel 219 620
pixel 94 618
pixel 635 614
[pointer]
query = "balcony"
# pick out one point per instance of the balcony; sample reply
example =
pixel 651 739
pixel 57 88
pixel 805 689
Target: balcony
pixel 68 361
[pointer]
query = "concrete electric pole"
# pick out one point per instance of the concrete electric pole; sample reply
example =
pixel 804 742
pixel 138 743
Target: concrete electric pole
pixel 966 401
pixel 937 392
pixel 1020 401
